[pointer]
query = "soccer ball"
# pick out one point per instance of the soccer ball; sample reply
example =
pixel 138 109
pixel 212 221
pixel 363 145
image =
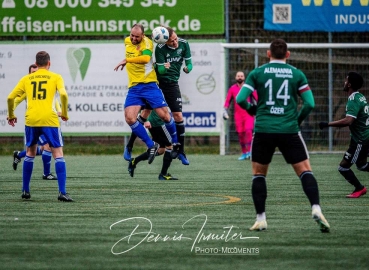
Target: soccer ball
pixel 160 35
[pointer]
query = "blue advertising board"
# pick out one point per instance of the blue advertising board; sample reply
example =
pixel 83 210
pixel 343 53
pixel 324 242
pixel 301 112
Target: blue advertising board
pixel 317 15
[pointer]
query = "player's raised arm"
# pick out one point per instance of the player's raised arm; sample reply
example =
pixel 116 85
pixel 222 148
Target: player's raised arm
pixel 142 59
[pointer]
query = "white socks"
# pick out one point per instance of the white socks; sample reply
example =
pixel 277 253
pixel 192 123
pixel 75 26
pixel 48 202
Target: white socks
pixel 260 217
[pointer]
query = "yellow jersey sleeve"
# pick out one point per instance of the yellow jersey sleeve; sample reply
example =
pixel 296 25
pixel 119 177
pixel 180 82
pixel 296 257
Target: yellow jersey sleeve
pixel 18 91
pixel 57 106
pixel 139 73
pixel 19 100
pixel 64 102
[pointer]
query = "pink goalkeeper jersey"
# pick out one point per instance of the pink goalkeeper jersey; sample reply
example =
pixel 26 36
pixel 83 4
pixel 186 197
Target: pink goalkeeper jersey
pixel 243 120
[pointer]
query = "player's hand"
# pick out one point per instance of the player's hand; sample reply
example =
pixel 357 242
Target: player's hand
pixel 167 65
pixel 185 70
pixel 252 109
pixel 64 118
pixel 12 121
pixel 323 125
pixel 225 114
pixel 147 124
pixel 121 64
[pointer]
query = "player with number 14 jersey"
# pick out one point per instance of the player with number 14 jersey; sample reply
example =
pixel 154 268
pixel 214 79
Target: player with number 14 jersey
pixel 278 86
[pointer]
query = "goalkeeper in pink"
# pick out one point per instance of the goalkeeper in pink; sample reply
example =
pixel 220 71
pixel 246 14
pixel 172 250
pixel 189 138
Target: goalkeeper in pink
pixel 244 122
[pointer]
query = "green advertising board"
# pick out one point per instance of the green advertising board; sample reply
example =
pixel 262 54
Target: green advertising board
pixel 108 17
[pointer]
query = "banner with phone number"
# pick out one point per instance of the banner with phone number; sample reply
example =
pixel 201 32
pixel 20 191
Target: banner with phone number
pixel 108 17
pixel 97 92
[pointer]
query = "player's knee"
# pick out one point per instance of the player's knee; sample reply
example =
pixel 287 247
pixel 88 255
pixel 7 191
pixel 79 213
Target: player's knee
pixel 130 121
pixel 178 117
pixel 344 165
pixel 164 114
pixel 342 169
pixel 167 118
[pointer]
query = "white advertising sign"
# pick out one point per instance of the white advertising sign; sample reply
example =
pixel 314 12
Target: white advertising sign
pixel 97 92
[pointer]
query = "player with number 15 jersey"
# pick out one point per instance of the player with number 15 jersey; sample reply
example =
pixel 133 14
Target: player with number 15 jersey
pixel 40 88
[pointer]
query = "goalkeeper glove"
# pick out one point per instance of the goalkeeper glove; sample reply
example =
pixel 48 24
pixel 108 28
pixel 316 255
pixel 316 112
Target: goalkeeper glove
pixel 323 125
pixel 225 114
pixel 252 109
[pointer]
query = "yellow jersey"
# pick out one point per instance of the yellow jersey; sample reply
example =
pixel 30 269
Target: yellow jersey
pixel 18 100
pixel 40 89
pixel 139 73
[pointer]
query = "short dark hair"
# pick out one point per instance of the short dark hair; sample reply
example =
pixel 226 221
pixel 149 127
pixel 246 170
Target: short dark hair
pixel 170 30
pixel 42 58
pixel 30 67
pixel 138 25
pixel 278 49
pixel 355 79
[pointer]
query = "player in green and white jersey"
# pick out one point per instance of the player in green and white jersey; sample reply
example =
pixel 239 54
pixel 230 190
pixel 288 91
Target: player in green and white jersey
pixel 277 122
pixel 169 60
pixel 357 118
pixel 160 135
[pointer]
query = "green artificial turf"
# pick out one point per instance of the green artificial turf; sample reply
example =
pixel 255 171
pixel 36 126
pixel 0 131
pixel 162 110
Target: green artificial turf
pixel 200 221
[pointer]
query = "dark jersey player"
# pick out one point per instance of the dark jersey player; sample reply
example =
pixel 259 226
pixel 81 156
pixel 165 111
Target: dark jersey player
pixel 169 59
pixel 357 118
pixel 278 87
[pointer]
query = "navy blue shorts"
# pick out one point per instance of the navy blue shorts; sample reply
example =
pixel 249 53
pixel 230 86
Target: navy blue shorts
pixel 143 93
pixel 52 135
pixel 42 140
